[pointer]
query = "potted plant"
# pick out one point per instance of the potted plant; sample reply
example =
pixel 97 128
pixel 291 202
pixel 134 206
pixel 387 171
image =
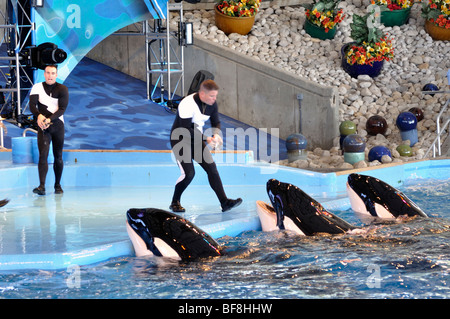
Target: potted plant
pixel 437 18
pixel 322 18
pixel 236 16
pixel 394 12
pixel 369 51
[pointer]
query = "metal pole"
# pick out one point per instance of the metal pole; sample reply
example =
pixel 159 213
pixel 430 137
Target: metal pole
pixel 147 58
pixel 168 52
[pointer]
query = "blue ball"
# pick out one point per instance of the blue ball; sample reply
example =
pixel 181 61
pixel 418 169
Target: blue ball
pixel 354 143
pixel 296 142
pixel 406 121
pixel 430 87
pixel 377 152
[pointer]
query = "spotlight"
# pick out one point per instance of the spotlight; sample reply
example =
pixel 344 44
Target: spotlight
pixel 188 33
pixel 45 54
pixel 185 36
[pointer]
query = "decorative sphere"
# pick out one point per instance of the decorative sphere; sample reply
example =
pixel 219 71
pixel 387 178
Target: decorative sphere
pixel 404 150
pixel 353 143
pixel 377 152
pixel 376 124
pixel 417 112
pixel 430 87
pixel 406 121
pixel 347 128
pixel 296 142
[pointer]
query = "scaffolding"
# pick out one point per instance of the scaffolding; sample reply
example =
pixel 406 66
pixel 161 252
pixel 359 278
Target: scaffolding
pixel 165 59
pixel 16 77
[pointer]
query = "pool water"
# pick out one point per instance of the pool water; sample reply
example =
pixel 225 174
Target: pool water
pixel 391 260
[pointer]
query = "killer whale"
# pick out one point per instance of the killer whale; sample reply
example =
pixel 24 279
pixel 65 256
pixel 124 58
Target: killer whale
pixel 370 196
pixel 294 210
pixel 161 233
pixel 3 202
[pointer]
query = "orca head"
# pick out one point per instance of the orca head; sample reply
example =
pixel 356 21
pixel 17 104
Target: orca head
pixel 141 233
pixel 161 233
pixel 370 196
pixel 297 211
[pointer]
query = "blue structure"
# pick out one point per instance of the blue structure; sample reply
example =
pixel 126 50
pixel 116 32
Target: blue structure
pixel 407 124
pixel 77 26
pixel 354 146
pixel 296 147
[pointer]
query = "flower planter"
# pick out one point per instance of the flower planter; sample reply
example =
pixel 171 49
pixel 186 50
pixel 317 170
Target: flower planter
pixel 437 32
pixel 241 25
pixel 318 32
pixel 392 18
pixel 354 70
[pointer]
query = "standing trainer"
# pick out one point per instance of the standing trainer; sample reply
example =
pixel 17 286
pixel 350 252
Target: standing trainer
pixel 48 102
pixel 188 143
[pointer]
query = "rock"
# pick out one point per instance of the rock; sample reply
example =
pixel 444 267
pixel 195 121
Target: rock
pixel 301 164
pixel 360 164
pixel 346 165
pixel 416 59
pixel 386 159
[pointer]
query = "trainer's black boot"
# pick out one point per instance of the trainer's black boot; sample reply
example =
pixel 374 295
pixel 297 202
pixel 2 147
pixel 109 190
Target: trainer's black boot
pixel 176 207
pixel 40 190
pixel 58 189
pixel 231 203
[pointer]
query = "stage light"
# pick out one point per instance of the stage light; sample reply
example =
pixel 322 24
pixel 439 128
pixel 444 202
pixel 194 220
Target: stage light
pixel 38 3
pixel 188 33
pixel 44 54
pixel 185 35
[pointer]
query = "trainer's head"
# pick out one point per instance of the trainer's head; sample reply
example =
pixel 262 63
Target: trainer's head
pixel 208 92
pixel 50 74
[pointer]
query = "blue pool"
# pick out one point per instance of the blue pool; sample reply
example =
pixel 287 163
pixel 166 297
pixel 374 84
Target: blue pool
pixel 76 245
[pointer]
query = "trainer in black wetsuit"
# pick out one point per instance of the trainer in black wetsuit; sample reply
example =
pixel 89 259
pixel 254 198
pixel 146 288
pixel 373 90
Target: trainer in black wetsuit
pixel 48 102
pixel 188 143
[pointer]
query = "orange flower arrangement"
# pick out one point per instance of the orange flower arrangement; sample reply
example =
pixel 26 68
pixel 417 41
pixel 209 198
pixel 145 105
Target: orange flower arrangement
pixel 437 11
pixel 370 46
pixel 367 53
pixel 394 4
pixel 239 8
pixel 325 14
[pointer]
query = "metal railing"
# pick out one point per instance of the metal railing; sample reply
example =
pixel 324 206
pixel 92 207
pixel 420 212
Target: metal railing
pixel 439 130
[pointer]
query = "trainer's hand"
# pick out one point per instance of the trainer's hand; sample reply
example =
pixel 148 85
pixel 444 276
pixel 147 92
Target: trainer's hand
pixel 215 141
pixel 43 122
